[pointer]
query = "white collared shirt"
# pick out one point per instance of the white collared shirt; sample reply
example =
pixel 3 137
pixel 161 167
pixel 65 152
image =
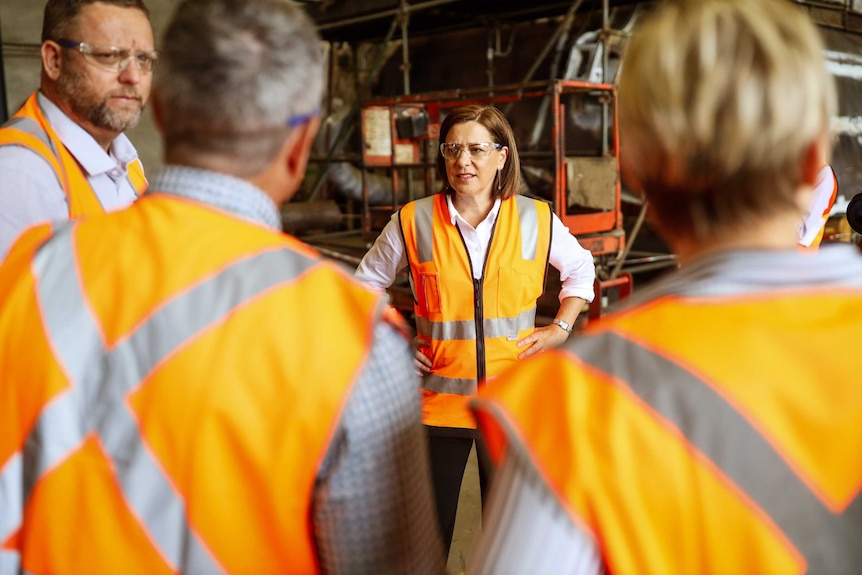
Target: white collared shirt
pixel 387 257
pixel 30 192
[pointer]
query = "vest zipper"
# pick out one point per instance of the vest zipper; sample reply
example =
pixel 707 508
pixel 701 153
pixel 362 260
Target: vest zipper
pixel 479 301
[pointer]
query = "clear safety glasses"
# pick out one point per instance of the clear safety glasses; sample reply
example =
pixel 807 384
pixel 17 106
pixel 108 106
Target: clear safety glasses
pixel 477 150
pixel 112 59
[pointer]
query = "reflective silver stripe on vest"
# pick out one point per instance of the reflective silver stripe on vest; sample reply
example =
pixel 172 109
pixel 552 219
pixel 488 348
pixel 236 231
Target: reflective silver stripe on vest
pixel 439 384
pixel 11 498
pixel 830 543
pixel 102 377
pixel 466 329
pixel 424 216
pixel 10 563
pixel 30 126
pixel 529 227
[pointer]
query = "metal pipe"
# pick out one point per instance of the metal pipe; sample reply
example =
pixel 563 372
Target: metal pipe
pixel 565 25
pixel 336 255
pixel 630 240
pixel 603 38
pixel 384 13
pixel 405 50
pixel 347 126
pixel 559 38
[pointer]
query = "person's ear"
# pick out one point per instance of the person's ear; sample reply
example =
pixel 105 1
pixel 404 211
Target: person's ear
pixel 813 159
pixel 51 59
pixel 299 145
pixel 504 155
pixel 158 111
pixel 292 161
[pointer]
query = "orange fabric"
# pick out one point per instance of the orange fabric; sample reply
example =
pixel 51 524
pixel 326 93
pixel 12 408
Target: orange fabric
pixel 511 285
pixel 446 410
pixel 27 353
pixel 651 499
pixel 110 535
pixel 82 199
pixel 231 415
pixel 793 324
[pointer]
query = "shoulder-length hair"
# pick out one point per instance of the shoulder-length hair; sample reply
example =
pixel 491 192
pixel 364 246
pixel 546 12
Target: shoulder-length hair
pixel 496 123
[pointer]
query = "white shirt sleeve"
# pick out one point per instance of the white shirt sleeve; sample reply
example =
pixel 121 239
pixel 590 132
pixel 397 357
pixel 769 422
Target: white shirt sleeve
pixel 575 264
pixel 385 258
pixel 813 221
pixel 29 194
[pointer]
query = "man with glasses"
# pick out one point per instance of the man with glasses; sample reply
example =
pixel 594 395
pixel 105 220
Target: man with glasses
pixel 64 153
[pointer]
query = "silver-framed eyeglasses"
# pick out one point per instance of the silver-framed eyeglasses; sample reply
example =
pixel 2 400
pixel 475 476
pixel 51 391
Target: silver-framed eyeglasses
pixel 112 59
pixel 477 150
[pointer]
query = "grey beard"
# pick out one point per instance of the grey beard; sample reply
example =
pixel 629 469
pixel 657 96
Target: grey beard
pixel 108 119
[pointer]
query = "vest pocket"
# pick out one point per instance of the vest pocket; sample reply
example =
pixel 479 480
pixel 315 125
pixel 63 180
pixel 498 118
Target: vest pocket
pixel 429 295
pixel 517 290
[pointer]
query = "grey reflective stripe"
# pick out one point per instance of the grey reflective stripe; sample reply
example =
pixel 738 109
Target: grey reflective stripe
pixel 11 498
pixel 439 384
pixel 509 326
pixel 424 218
pixel 529 227
pixel 462 330
pixel 109 374
pixel 10 563
pixel 29 126
pixel 526 528
pixel 829 542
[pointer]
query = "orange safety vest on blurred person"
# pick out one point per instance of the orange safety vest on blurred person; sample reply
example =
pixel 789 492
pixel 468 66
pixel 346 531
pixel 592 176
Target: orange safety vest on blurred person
pixel 29 128
pixel 473 325
pixel 172 425
pixel 671 461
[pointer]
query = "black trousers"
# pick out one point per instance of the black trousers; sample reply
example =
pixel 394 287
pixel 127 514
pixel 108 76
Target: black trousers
pixel 449 450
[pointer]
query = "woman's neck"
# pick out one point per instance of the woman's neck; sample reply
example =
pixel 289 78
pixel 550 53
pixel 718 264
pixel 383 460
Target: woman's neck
pixel 473 209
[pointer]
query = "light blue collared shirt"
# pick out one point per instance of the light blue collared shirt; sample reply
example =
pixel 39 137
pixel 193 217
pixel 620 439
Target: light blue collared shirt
pixel 227 193
pixel 30 191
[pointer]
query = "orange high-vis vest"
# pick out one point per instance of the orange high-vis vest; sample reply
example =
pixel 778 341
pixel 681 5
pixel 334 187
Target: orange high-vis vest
pixel 473 325
pixel 672 461
pixel 164 407
pixel 29 128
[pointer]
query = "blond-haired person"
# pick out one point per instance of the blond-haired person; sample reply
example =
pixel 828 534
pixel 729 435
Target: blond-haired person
pixel 714 425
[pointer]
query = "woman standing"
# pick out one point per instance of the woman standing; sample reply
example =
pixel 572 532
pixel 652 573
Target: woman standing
pixel 477 254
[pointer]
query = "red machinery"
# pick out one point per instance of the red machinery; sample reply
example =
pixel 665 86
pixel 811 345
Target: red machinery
pixel 572 154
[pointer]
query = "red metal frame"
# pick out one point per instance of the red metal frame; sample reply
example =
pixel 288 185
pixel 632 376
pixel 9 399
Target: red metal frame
pixel 600 232
pixel 607 225
pixel 623 281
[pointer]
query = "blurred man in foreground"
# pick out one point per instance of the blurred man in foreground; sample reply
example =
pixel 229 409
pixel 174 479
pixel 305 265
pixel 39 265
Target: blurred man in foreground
pixel 183 388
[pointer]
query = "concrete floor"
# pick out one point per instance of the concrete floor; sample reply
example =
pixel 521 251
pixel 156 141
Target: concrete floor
pixel 468 521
